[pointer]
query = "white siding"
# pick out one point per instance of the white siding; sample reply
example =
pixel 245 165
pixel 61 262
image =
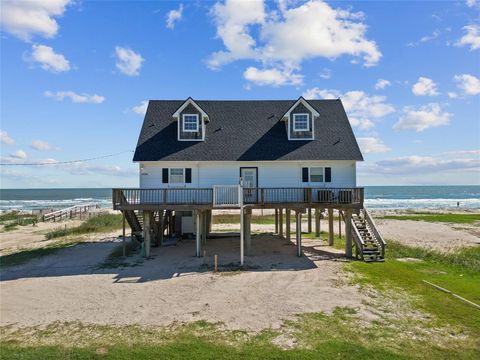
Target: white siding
pixel 270 173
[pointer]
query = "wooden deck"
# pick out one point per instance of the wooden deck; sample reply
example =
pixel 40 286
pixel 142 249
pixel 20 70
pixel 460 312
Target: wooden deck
pixel 233 197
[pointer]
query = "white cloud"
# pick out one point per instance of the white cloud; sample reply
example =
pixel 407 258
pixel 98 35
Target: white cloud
pixel 274 77
pixel 5 139
pixel 471 3
pixel 288 35
pixel 425 38
pixel 325 73
pixel 141 109
pixel 128 61
pixel 422 118
pixel 416 164
pixel 74 97
pixel 372 145
pixel 24 18
pixel 19 154
pixel 425 86
pixel 173 16
pixel 382 84
pixel 471 38
pixel 49 60
pixel 42 145
pixel 469 84
pixel 360 107
pixel 452 95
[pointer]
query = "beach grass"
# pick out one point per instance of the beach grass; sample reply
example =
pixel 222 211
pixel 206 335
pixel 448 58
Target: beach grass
pixel 11 220
pixel 406 268
pixel 97 224
pixel 235 219
pixel 430 217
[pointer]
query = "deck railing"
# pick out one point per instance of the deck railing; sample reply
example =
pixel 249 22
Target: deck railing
pixel 224 198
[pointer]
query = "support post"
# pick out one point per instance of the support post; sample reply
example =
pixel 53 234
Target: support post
pixel 330 226
pixel 276 221
pixel 161 228
pixel 147 233
pixel 123 235
pixel 317 222
pixel 298 215
pixel 309 220
pixel 242 235
pixel 280 222
pixel 287 227
pixel 339 224
pixel 348 233
pixel 198 233
pixel 248 231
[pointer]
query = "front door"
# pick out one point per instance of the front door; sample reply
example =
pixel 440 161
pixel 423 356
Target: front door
pixel 250 183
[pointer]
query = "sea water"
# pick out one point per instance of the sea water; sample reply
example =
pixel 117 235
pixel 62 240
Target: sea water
pixel 376 197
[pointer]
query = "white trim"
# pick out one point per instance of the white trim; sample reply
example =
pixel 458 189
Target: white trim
pixel 308 122
pixel 183 123
pixel 305 103
pixel 189 101
pixel 170 179
pixel 310 174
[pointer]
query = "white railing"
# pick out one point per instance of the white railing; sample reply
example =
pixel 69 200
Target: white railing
pixel 70 212
pixel 227 195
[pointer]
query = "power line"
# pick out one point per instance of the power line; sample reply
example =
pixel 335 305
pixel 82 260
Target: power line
pixel 64 162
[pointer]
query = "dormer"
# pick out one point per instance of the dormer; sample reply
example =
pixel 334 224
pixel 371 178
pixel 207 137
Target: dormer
pixel 191 120
pixel 299 120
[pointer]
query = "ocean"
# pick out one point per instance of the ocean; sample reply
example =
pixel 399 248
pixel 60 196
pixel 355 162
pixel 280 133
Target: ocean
pixel 376 197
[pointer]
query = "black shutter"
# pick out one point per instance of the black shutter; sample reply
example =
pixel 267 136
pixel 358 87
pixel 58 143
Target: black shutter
pixel 188 175
pixel 165 175
pixel 328 174
pixel 304 174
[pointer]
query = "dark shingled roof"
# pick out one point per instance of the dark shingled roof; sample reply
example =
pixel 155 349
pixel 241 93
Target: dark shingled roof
pixel 246 131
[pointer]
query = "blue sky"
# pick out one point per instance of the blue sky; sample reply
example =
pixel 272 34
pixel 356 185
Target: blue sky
pixel 74 77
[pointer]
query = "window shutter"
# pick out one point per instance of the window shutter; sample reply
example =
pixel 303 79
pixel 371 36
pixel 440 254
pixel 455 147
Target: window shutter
pixel 165 175
pixel 328 174
pixel 305 174
pixel 188 175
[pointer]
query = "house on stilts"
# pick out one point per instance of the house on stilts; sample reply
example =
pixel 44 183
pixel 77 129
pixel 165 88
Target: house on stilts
pixel 295 156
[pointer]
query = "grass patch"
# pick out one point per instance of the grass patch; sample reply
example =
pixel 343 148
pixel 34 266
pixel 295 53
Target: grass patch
pixel 100 223
pixel 116 258
pixel 11 220
pixel 458 272
pixel 235 219
pixel 24 256
pixel 312 336
pixel 448 218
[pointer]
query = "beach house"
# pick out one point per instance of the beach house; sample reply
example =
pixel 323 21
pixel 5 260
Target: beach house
pixel 295 156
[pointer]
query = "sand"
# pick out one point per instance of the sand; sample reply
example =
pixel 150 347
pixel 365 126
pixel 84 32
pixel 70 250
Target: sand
pixel 175 287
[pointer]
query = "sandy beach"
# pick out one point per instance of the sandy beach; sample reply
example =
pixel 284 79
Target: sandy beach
pixel 175 287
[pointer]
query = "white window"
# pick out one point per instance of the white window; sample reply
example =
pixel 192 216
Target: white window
pixel 301 122
pixel 177 175
pixel 316 174
pixel 190 122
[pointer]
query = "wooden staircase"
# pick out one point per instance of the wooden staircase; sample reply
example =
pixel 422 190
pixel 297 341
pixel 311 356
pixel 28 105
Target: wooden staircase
pixel 369 244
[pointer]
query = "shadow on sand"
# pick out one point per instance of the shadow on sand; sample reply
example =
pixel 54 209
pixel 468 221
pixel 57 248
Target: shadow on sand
pixel 269 253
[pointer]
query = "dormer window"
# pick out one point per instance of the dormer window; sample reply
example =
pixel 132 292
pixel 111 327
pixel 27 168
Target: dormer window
pixel 190 122
pixel 301 122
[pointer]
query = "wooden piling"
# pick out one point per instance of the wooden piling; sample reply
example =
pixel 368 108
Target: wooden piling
pixel 330 226
pixel 317 222
pixel 280 222
pixel 298 215
pixel 287 227
pixel 348 233
pixel 309 220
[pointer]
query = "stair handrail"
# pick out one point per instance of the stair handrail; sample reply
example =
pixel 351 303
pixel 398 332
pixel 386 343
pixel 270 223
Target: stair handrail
pixel 373 227
pixel 357 237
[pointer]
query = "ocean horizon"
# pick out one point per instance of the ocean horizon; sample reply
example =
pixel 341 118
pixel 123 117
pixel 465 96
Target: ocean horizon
pixel 376 197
